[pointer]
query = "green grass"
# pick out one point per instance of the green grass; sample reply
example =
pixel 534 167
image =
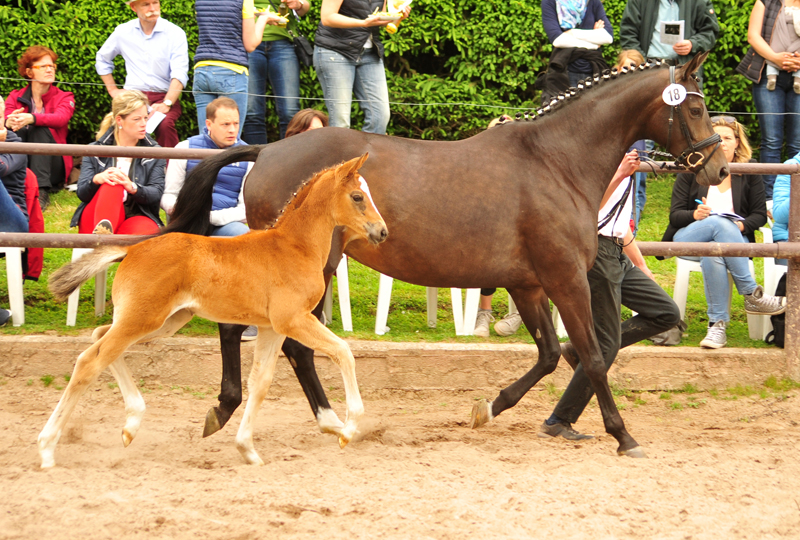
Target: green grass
pixel 407 315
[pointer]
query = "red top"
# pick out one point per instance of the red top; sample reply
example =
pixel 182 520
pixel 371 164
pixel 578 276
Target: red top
pixel 60 107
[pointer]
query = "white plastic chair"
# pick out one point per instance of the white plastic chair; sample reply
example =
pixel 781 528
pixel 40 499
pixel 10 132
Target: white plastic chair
pixel 772 274
pixel 14 275
pixel 343 282
pixel 464 321
pixel 100 281
pixel 755 324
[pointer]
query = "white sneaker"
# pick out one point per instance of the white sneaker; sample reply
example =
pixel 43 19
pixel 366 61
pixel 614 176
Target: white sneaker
pixel 715 337
pixel 482 322
pixel 508 325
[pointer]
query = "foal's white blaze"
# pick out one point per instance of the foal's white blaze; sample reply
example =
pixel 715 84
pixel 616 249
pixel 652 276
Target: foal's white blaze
pixel 365 189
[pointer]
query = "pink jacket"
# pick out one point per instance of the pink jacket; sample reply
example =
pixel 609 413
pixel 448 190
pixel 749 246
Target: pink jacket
pixel 60 107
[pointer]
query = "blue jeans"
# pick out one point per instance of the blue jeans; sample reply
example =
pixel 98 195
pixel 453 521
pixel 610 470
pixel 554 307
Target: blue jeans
pixel 778 126
pixel 11 217
pixel 641 195
pixel 715 269
pixel 211 82
pixel 341 77
pixel 234 228
pixel 276 62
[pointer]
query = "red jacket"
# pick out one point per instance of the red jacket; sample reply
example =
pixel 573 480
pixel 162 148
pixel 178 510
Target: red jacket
pixel 60 107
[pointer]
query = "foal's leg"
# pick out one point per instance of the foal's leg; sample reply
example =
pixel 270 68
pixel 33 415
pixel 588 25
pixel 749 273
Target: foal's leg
pixel 308 330
pixel 89 365
pixel 575 310
pixel 534 308
pixel 268 344
pixel 134 402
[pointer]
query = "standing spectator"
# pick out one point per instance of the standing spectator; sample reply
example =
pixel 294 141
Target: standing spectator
pixel 121 195
pixel 694 217
pixel 228 30
pixel 39 113
pixel 640 28
pixel 13 211
pixel 156 61
pixel 779 110
pixel 273 60
pixel 576 24
pixel 348 57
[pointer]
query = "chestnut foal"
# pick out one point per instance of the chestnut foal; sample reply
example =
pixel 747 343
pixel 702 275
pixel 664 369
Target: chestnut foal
pixel 271 278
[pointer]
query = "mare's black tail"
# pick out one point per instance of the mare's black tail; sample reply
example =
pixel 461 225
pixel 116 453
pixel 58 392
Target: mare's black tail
pixel 192 211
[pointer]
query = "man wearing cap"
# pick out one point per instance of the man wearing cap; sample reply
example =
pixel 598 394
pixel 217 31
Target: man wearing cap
pixel 156 57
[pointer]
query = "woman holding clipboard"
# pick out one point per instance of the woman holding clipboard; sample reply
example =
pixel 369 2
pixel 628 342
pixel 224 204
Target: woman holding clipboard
pixel 741 198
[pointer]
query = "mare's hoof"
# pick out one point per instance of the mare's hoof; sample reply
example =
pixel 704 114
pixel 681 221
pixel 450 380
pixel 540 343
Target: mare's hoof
pixel 212 423
pixel 481 414
pixel 635 452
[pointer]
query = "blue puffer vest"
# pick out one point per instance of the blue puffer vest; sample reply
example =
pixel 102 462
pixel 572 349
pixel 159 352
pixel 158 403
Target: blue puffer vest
pixel 229 179
pixel 220 27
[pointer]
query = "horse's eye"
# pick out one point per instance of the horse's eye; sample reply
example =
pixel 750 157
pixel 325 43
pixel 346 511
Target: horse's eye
pixel 357 197
pixel 697 112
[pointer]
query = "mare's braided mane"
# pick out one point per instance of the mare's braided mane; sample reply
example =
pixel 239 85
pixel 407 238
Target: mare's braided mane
pixel 588 83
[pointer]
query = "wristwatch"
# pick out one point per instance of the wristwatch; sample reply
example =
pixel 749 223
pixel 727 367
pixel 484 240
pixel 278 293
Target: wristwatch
pixel 167 102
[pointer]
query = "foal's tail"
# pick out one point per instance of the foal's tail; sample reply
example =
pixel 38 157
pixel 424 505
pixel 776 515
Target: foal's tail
pixel 69 277
pixel 192 211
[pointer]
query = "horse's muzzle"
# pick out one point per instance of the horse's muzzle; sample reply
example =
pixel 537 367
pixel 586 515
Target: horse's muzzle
pixel 376 232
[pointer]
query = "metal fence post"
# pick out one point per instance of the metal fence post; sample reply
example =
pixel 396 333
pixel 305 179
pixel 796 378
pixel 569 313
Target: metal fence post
pixel 792 344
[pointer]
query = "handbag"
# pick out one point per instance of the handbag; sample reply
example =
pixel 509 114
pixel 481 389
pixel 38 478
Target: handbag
pixel 302 48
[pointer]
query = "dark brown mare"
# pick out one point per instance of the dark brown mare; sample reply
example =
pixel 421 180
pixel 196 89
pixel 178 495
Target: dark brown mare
pixel 514 207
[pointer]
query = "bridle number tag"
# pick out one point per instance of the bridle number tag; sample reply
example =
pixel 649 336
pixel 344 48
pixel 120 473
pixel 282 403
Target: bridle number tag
pixel 674 94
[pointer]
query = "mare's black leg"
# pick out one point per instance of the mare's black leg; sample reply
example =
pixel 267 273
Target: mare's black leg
pixel 534 308
pixel 576 312
pixel 230 396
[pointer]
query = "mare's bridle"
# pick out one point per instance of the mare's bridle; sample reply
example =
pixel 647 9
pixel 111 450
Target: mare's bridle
pixel 691 158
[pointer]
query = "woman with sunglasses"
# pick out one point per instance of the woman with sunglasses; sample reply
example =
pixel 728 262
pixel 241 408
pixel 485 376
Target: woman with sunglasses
pixel 695 217
pixel 778 102
pixel 40 113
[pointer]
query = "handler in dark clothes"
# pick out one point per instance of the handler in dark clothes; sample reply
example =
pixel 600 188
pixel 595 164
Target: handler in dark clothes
pixel 619 276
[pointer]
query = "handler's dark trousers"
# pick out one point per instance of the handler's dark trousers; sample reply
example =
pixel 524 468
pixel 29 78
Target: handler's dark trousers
pixel 614 280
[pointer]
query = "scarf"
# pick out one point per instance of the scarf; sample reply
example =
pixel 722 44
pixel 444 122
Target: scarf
pixel 570 13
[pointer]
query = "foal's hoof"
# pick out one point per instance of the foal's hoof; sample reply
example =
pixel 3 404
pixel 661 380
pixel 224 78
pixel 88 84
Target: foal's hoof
pixel 635 452
pixel 212 423
pixel 127 438
pixel 481 414
pixel 343 441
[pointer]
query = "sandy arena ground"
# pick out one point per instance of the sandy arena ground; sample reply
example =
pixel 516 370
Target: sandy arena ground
pixel 727 469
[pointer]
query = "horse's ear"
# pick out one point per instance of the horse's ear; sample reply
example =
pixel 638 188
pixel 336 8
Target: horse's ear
pixel 349 167
pixel 685 71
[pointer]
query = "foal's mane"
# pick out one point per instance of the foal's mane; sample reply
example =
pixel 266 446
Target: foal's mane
pixel 589 83
pixel 299 196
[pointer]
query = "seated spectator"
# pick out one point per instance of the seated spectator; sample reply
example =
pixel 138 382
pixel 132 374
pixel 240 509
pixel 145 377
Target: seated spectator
pixel 695 217
pixel 306 120
pixel 228 31
pixel 13 211
pixel 39 113
pixel 228 216
pixel 780 208
pixel 121 195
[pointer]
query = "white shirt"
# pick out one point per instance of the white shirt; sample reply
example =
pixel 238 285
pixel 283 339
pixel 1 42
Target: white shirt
pixel 151 62
pixel 720 202
pixel 176 174
pixel 620 224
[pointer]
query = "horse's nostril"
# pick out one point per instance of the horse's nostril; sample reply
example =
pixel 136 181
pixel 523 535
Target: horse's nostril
pixel 384 234
pixel 723 173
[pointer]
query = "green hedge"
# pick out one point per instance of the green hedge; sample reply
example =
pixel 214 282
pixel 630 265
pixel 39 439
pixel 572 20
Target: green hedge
pixel 469 54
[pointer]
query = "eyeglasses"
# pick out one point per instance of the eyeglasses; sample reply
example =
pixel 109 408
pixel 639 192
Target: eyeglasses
pixel 45 67
pixel 723 120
